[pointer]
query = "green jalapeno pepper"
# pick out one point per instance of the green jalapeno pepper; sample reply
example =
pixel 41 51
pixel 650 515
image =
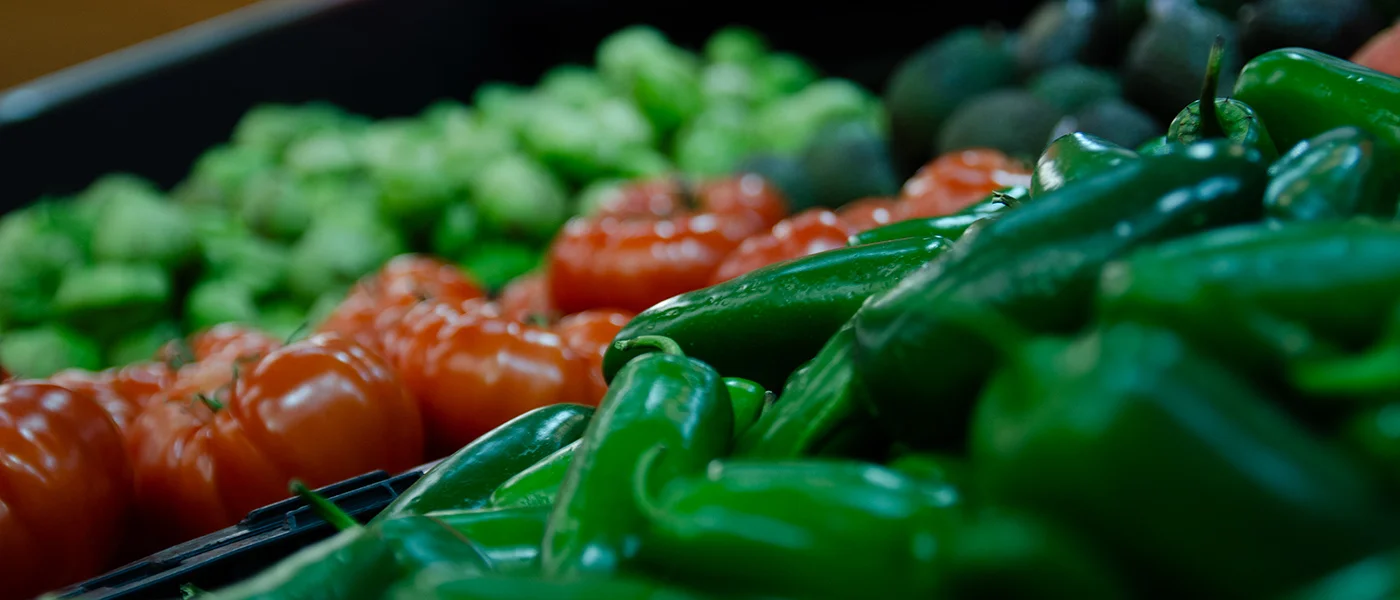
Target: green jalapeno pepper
pixel 662 398
pixel 1009 554
pixel 948 474
pixel 508 537
pixel 467 478
pixel 1193 452
pixel 797 304
pixel 537 484
pixel 1301 93
pixel 748 399
pixel 1336 175
pixel 1158 145
pixel 1212 117
pixel 950 227
pixel 920 368
pixel 465 584
pixel 819 399
pixel 1072 156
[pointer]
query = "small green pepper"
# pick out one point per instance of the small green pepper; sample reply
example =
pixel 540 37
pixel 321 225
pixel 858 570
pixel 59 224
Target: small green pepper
pixel 1072 156
pixel 951 475
pixel 820 399
pixel 1158 145
pixel 660 398
pixel 509 538
pixel 1212 117
pixel 1337 175
pixel 538 484
pixel 749 399
pixel 1011 554
pixel 444 583
pixel 1302 93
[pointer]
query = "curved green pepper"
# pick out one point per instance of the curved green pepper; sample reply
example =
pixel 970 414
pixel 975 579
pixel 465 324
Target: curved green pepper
pixel 1038 264
pixel 949 474
pixel 1337 175
pixel 1375 578
pixel 1193 451
pixel 663 398
pixel 467 478
pixel 445 583
pixel 1158 145
pixel 824 529
pixel 1212 117
pixel 748 399
pixel 819 399
pixel 1075 155
pixel 509 538
pixel 1007 554
pixel 950 227
pixel 1302 93
pixel 538 484
pixel 797 305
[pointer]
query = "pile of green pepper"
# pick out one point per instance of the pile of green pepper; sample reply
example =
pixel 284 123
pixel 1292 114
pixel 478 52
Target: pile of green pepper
pixel 1159 373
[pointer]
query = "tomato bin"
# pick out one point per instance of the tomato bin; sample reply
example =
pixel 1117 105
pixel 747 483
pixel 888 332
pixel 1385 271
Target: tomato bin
pixel 361 298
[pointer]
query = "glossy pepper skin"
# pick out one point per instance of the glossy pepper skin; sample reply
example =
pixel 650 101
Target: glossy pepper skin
pixel 509 538
pixel 349 565
pixel 467 478
pixel 1336 175
pixel 1260 296
pixel 950 227
pixel 659 398
pixel 1194 452
pixel 1072 156
pixel 1302 93
pixel 797 304
pixel 467 584
pixel 1212 117
pixel 1009 554
pixel 538 484
pixel 820 398
pixel 749 399
pixel 814 529
pixel 1038 264
pixel 1374 578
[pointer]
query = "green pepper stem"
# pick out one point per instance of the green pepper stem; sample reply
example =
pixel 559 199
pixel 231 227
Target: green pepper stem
pixel 1211 126
pixel 324 508
pixel 1373 372
pixel 659 342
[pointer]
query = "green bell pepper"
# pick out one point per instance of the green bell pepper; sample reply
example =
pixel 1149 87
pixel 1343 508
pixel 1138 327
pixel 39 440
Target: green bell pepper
pixel 1073 156
pixel 1211 117
pixel 538 484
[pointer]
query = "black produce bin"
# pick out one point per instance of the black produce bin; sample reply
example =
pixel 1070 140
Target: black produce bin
pixel 152 109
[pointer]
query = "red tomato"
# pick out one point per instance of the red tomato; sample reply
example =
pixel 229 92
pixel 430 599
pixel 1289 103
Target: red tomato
pixel 4 375
pixel 957 180
pixel 403 281
pixel 227 340
pixel 65 488
pixel 1381 52
pixel 634 261
pixel 321 410
pixel 808 232
pixel 527 299
pixel 471 369
pixel 589 334
pixel 121 391
pixel 869 213
pixel 661 197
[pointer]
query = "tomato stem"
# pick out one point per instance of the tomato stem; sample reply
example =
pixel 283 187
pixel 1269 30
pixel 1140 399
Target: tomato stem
pixel 213 404
pixel 658 342
pixel 537 319
pixel 1211 126
pixel 324 508
pixel 296 332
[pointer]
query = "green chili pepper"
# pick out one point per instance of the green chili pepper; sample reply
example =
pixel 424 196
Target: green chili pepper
pixel 1371 434
pixel 1193 452
pixel 1212 117
pixel 1075 155
pixel 1006 554
pixel 748 399
pixel 950 227
pixel 951 475
pixel 824 529
pixel 798 304
pixel 508 537
pixel 662 398
pixel 466 584
pixel 1302 93
pixel 538 484
pixel 1158 145
pixel 1375 578
pixel 1336 175
pixel 1038 264
pixel 820 398
pixel 467 478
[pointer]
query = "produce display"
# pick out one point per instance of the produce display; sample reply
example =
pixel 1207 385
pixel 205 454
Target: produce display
pixel 1101 307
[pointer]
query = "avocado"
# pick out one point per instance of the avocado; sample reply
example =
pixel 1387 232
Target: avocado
pixel 848 161
pixel 1015 122
pixel 926 88
pixel 1166 61
pixel 1056 33
pixel 1337 27
pixel 1115 24
pixel 1114 120
pixel 1072 86
pixel 785 172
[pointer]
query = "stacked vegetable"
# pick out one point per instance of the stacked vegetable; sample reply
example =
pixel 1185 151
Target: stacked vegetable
pixel 271 229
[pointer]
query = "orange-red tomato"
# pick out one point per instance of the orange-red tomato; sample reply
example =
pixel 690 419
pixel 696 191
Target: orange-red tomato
pixel 121 391
pixel 632 261
pixel 402 282
pixel 527 299
pixel 869 213
pixel 589 334
pixel 808 232
pixel 65 488
pixel 226 340
pixel 1381 52
pixel 957 180
pixel 321 410
pixel 472 369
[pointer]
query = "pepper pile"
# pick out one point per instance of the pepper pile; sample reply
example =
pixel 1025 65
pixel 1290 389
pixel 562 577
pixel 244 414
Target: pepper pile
pixel 1130 379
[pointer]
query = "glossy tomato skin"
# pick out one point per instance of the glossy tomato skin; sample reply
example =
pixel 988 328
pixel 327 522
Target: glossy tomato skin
pixel 402 282
pixel 631 262
pixel 869 213
pixel 121 391
pixel 658 197
pixel 321 410
pixel 808 232
pixel 527 299
pixel 472 369
pixel 65 488
pixel 588 335
pixel 957 180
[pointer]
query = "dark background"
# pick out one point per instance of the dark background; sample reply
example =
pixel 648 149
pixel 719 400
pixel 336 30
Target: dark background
pixel 152 110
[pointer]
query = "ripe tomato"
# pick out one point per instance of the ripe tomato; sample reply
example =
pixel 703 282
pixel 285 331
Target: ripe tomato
pixel 471 368
pixel 808 232
pixel 660 197
pixel 526 298
pixel 1381 52
pixel 632 261
pixel 65 488
pixel 869 213
pixel 588 334
pixel 403 281
pixel 956 180
pixel 321 410
pixel 227 340
pixel 121 391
